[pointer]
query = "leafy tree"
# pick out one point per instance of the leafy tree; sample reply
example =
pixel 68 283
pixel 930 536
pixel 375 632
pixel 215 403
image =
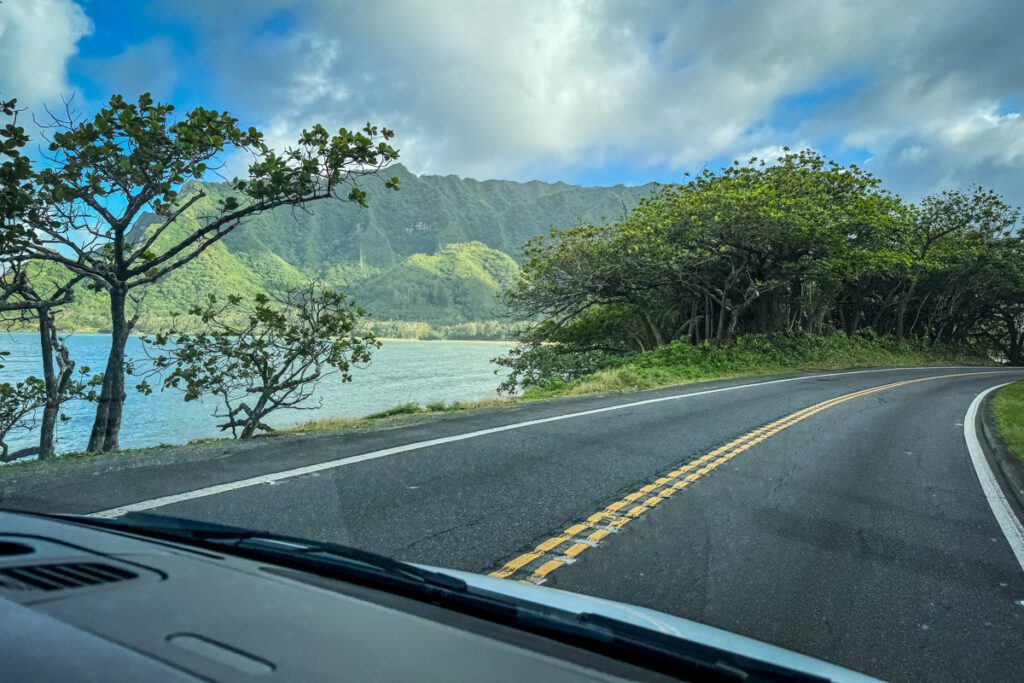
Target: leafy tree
pixel 801 245
pixel 130 158
pixel 58 384
pixel 22 402
pixel 267 358
pixel 19 402
pixel 17 196
pixel 21 301
pixel 957 218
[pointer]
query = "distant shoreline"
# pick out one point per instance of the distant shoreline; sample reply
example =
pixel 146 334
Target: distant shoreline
pixel 460 341
pixel 383 339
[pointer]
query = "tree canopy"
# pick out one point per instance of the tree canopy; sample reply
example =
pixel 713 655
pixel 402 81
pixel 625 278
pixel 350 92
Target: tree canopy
pixel 102 173
pixel 264 357
pixel 802 244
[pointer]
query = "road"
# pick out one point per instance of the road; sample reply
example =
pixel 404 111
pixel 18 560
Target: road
pixel 839 515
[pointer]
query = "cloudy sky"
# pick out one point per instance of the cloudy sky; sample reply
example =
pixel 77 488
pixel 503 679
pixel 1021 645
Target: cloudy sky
pixel 928 94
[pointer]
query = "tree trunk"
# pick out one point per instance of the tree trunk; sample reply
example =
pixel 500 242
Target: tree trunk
pixel 917 316
pixel 48 424
pixel 710 311
pixel 901 314
pixel 722 312
pixel 659 341
pixel 734 319
pixel 818 319
pixel 107 425
pixel 854 321
pixel 1015 339
pixel 694 329
pixel 764 314
pixel 796 293
pixel 255 416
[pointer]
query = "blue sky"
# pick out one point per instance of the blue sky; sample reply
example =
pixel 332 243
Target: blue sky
pixel 925 93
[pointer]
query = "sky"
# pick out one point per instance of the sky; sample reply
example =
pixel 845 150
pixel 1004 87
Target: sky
pixel 927 94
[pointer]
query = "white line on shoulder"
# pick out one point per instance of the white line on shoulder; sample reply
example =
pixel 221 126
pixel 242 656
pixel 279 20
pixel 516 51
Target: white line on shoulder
pixel 1008 522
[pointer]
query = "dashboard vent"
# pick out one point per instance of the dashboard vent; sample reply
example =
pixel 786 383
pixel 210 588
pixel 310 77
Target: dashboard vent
pixel 55 577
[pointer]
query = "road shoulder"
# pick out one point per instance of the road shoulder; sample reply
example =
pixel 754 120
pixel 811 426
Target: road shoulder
pixel 1008 467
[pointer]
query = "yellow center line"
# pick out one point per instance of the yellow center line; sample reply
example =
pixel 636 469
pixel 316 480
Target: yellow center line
pixel 580 537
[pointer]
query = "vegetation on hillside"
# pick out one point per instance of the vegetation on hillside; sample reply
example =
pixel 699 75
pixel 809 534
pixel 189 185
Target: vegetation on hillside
pixel 757 268
pixel 802 245
pixel 452 294
pixel 482 330
pixel 458 284
pixel 1008 407
pixel 754 354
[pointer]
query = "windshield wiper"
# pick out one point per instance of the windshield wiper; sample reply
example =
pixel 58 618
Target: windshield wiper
pixel 331 558
pixel 644 647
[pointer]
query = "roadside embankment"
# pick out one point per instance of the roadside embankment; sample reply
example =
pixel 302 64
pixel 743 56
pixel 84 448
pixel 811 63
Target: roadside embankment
pixel 753 355
pixel 1008 409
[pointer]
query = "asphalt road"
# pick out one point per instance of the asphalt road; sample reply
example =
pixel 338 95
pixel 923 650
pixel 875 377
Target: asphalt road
pixel 838 515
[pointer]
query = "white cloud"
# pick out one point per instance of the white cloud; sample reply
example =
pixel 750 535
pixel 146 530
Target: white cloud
pixel 913 154
pixel 926 92
pixel 37 37
pixel 514 89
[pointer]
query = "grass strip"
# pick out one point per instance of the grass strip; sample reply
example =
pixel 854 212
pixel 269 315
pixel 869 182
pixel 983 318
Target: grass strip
pixel 1008 407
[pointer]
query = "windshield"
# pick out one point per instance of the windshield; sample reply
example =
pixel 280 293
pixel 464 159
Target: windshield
pixel 712 309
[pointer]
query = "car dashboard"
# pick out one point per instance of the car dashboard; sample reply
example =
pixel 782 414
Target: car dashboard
pixel 78 603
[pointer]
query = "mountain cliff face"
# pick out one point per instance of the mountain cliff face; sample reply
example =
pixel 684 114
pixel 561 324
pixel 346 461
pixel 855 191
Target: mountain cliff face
pixel 459 283
pixel 428 213
pixel 437 251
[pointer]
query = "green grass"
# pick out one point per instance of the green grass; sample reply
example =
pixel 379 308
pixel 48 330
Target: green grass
pixel 401 409
pixel 397 413
pixel 1008 406
pixel 753 355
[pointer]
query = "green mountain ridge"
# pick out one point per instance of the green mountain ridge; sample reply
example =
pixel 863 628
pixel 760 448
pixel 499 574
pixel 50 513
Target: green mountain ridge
pixel 428 213
pixel 438 251
pixel 459 283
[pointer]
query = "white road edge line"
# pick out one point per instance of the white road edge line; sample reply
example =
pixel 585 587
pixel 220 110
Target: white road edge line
pixel 1008 522
pixel 373 455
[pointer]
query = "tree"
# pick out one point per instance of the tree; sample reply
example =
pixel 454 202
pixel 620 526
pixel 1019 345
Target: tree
pixel 17 196
pixel 18 404
pixel 753 247
pixel 801 245
pixel 21 300
pixel 951 216
pixel 58 384
pixel 267 358
pixel 105 172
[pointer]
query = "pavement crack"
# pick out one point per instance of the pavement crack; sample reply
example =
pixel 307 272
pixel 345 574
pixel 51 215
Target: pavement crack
pixel 464 525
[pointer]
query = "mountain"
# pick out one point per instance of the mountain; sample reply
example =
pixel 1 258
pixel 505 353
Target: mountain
pixel 427 213
pixel 459 283
pixel 437 251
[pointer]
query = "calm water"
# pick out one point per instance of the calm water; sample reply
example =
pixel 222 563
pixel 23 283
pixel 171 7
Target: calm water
pixel 401 371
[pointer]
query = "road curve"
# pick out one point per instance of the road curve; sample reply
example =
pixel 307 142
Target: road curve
pixel 839 515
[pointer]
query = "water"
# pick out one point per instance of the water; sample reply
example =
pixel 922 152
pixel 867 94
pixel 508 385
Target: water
pixel 401 372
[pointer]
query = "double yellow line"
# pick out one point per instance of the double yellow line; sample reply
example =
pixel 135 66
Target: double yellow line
pixel 562 549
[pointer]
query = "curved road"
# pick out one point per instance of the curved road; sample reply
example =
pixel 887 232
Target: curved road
pixel 839 515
